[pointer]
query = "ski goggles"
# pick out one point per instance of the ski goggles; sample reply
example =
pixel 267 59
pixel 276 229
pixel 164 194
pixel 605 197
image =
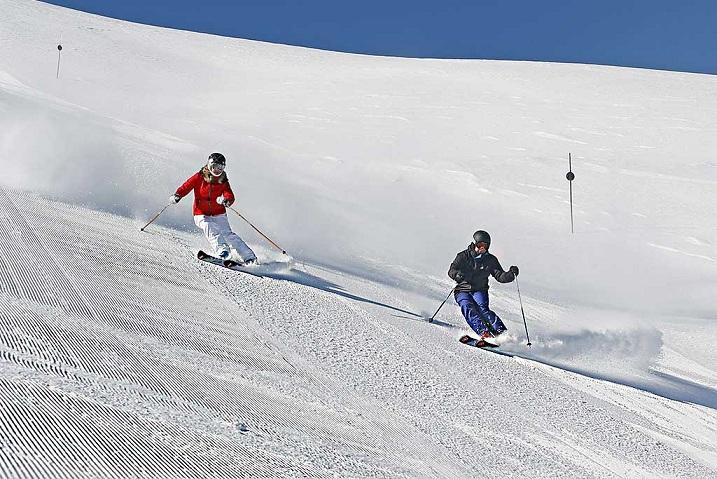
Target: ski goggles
pixel 482 244
pixel 215 168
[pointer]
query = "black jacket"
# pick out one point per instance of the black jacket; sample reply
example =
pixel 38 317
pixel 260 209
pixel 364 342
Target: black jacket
pixel 475 271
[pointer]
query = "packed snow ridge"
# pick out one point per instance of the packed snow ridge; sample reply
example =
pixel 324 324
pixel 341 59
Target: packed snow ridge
pixel 122 355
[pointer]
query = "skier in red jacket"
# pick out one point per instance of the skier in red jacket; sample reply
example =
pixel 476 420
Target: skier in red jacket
pixel 212 194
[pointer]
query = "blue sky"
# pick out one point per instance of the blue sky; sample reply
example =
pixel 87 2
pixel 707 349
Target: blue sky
pixel 664 34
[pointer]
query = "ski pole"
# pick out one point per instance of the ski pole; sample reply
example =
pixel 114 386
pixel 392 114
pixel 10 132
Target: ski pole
pixel 155 217
pixel 521 311
pixel 430 320
pixel 257 230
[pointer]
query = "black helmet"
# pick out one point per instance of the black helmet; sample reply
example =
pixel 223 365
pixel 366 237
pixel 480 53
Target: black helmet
pixel 481 236
pixel 216 164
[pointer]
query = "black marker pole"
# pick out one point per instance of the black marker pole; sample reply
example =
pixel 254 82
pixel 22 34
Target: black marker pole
pixel 59 51
pixel 570 177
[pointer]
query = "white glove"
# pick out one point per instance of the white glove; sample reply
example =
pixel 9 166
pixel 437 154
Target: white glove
pixel 222 201
pixel 175 198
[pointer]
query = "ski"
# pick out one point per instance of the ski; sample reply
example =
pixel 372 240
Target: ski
pixel 227 263
pixel 477 343
pixel 490 347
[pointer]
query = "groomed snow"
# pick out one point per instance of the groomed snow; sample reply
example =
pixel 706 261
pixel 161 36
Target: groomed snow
pixel 122 356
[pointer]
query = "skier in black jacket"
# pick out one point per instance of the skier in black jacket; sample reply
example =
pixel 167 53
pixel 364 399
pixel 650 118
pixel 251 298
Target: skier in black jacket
pixel 470 270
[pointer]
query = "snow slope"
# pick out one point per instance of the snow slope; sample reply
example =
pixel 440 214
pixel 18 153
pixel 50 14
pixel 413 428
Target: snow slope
pixel 123 357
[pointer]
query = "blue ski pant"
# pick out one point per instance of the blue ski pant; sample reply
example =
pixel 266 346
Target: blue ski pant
pixel 476 310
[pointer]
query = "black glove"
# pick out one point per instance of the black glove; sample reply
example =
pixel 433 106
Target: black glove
pixel 514 270
pixel 175 198
pixel 459 277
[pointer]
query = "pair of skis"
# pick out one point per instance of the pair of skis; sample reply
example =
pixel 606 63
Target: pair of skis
pixel 487 346
pixel 226 263
pixel 477 343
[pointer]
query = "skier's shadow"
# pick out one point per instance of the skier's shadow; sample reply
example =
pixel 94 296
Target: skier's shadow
pixel 668 386
pixel 657 382
pixel 313 281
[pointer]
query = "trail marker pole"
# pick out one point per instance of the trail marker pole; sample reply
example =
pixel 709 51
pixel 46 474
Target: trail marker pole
pixel 570 177
pixel 59 52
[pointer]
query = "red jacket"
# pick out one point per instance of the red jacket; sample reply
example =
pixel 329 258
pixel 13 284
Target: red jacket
pixel 207 189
